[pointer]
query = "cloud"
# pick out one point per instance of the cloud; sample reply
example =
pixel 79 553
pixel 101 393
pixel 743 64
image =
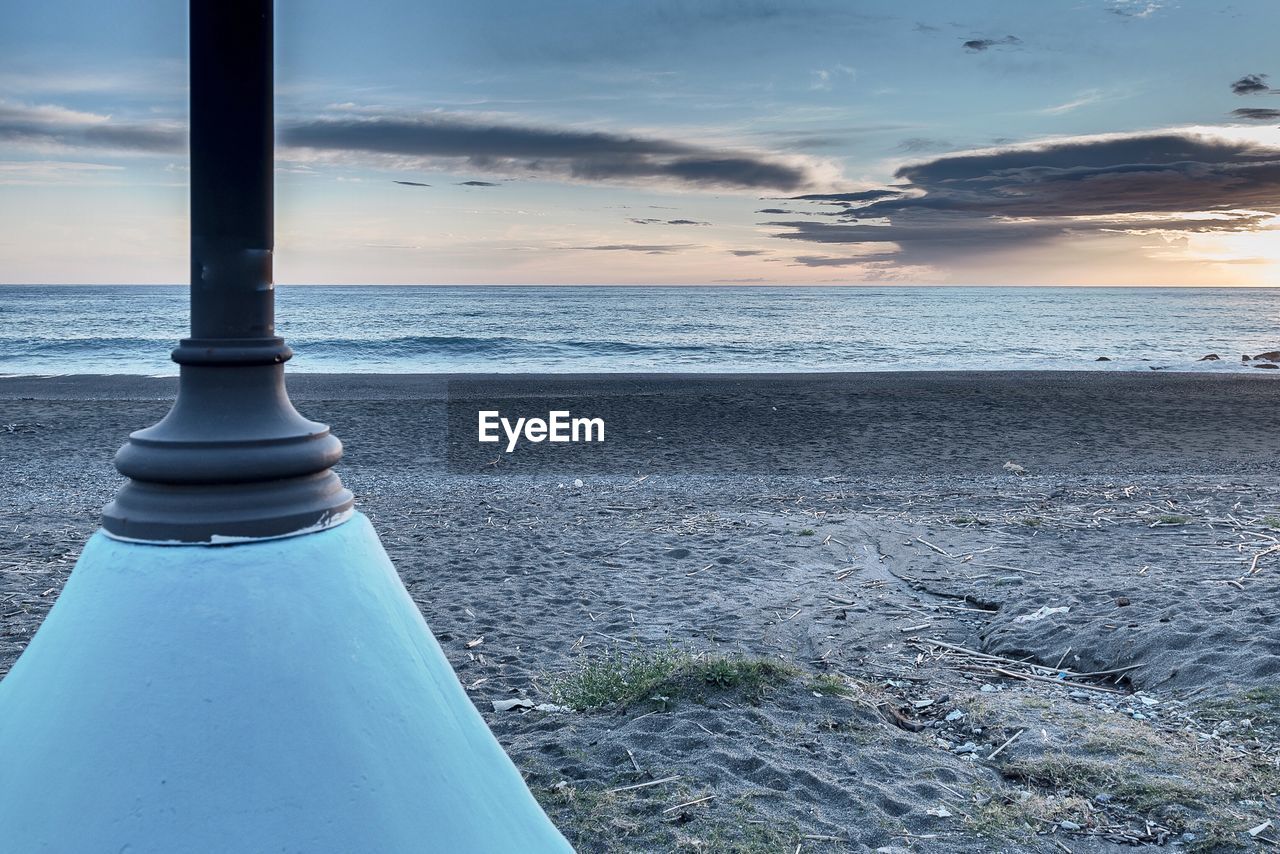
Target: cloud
pixel 401 141
pixel 477 184
pixel 646 248
pixel 747 253
pixel 1174 182
pixel 36 172
pixel 846 198
pixel 920 144
pixel 1092 96
pixel 47 127
pixel 825 78
pixel 413 183
pixel 650 221
pixel 1251 84
pixel 979 45
pixel 1135 8
pixel 1256 114
pixel 839 261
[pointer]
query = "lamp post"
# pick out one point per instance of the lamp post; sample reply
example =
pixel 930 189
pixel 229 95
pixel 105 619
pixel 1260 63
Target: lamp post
pixel 233 664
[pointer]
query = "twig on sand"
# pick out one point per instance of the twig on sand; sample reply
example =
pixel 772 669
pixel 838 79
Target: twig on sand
pixel 1007 742
pixel 670 779
pixel 1031 677
pixel 701 800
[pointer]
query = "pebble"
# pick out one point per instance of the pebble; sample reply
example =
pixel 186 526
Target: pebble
pixel 967 747
pixel 1068 825
pixel 1102 798
pixel 578 483
pixel 953 716
pixel 988 688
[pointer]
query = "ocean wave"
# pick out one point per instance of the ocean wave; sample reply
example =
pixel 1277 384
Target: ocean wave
pixel 501 346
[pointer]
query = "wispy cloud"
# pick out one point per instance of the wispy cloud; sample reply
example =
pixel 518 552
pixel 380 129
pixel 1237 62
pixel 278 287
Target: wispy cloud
pixel 1084 99
pixel 823 79
pixel 646 248
pixel 55 128
pixel 36 172
pixel 1135 8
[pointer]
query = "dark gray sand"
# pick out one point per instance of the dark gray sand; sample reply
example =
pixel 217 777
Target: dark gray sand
pixel 1114 608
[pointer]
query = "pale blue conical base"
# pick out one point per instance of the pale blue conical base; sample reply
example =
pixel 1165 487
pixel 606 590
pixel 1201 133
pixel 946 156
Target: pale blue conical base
pixel 283 695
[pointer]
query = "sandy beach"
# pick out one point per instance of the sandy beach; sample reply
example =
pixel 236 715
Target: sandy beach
pixel 803 612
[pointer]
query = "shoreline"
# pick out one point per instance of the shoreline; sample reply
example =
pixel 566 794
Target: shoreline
pixel 878 425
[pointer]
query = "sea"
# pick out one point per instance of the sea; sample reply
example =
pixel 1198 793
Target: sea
pixel 124 329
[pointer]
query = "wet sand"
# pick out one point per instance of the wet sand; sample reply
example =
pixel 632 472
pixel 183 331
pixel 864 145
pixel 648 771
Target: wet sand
pixel 859 528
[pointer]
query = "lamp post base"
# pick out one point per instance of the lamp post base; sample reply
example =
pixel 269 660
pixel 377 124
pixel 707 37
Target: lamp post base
pixel 283 695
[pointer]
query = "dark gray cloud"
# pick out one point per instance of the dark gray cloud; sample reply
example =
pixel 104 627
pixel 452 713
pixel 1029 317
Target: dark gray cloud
pixel 998 198
pixel 747 253
pixel 1251 84
pixel 570 153
pixel 825 261
pixel 1257 114
pixel 773 211
pixel 979 45
pixel 844 198
pixel 53 126
pixel 477 184
pixel 1092 176
pixel 413 183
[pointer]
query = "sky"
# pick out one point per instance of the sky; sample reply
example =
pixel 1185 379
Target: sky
pixel 986 142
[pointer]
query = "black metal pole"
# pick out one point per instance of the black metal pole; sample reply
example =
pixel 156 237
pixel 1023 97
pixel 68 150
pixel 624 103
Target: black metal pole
pixel 233 458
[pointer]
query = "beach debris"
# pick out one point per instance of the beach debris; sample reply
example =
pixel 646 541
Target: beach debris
pixel 508 705
pixel 898 719
pixel 986 664
pixel 1014 469
pixel 577 483
pixel 472 644
pixel 552 708
pixel 1040 614
pixel 953 716
pixel 1255 832
pixel 939 811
